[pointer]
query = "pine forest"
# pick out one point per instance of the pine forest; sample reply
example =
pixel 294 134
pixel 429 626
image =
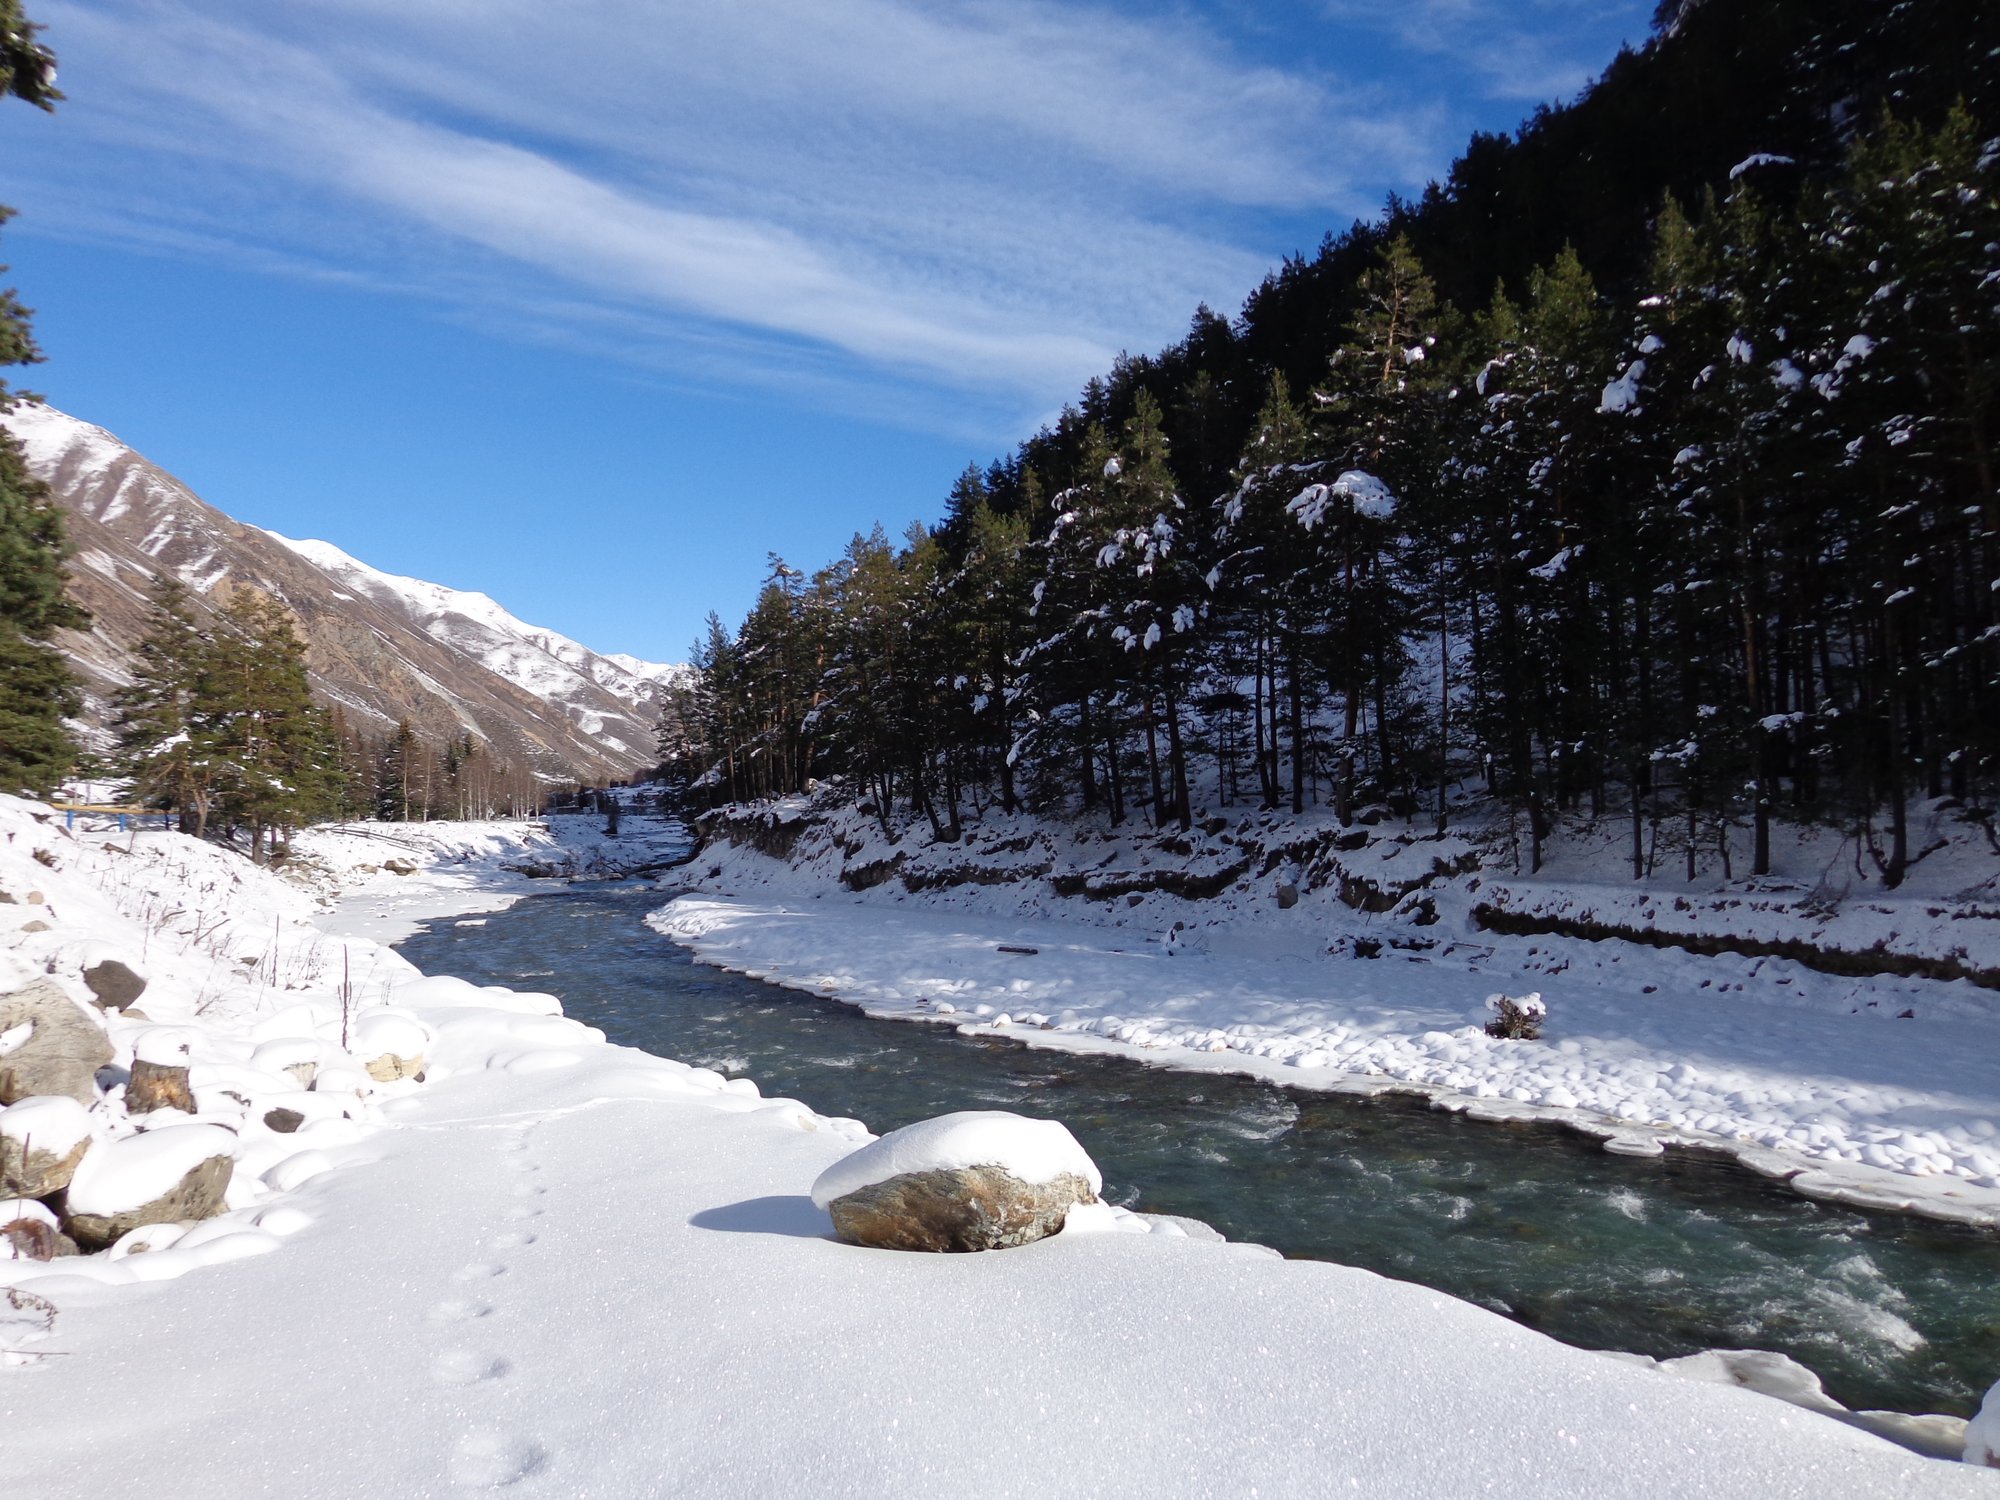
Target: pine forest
pixel 1672 500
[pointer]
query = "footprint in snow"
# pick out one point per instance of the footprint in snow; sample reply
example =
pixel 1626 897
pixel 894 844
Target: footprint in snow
pixel 467 1367
pixel 523 1211
pixel 510 1240
pixel 528 1190
pixel 479 1270
pixel 459 1310
pixel 488 1459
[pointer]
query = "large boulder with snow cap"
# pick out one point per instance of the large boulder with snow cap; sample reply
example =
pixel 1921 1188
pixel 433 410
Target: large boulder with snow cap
pixel 975 1180
pixel 160 1176
pixel 42 1141
pixel 49 1045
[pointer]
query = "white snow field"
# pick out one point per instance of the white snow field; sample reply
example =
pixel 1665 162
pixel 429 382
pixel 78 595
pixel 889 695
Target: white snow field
pixel 1803 1075
pixel 559 1267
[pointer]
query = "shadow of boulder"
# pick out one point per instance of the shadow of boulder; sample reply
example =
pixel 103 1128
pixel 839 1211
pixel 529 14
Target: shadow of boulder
pixel 794 1215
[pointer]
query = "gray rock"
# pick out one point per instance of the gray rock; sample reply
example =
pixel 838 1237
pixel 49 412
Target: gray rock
pixel 114 985
pixel 283 1121
pixel 198 1195
pixel 1288 897
pixel 63 1052
pixel 957 1209
pixel 399 867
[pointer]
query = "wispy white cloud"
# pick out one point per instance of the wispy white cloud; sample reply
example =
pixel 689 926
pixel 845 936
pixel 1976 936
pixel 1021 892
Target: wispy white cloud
pixel 978 201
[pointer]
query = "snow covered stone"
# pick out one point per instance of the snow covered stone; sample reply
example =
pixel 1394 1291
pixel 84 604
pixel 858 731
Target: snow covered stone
pixel 1982 1433
pixel 41 1142
pixel 163 1176
pixel 393 1046
pixel 49 1045
pixel 975 1180
pixel 293 1055
pixel 160 1071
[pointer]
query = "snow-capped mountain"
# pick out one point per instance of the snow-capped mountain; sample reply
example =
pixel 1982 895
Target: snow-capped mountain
pixel 382 646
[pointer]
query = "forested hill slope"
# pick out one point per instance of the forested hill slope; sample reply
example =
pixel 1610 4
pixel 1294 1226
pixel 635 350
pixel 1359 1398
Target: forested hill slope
pixel 383 649
pixel 1644 465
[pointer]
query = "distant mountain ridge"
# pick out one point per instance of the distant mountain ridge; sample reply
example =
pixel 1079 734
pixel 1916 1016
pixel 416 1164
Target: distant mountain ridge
pixel 383 647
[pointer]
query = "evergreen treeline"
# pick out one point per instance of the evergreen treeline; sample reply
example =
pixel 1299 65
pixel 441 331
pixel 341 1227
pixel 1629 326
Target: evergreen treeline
pixel 218 726
pixel 402 777
pixel 1691 517
pixel 36 690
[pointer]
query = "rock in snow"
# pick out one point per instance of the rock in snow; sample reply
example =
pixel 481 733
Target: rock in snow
pixel 975 1180
pixel 41 1143
pixel 160 1177
pixel 57 1048
pixel 392 1046
pixel 29 1231
pixel 114 984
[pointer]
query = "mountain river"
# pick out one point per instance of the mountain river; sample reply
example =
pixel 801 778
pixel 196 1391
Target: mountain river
pixel 1664 1257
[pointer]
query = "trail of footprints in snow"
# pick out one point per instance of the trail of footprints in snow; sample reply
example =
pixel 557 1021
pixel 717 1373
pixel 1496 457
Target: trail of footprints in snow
pixel 489 1457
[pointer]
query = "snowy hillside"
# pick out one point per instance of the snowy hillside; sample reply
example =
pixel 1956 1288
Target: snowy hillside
pixel 552 667
pixel 384 647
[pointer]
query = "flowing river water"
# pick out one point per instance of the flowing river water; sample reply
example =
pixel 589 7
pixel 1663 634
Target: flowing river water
pixel 1664 1257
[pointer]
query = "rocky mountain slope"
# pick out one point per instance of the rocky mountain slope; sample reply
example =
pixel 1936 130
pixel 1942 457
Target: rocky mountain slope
pixel 383 647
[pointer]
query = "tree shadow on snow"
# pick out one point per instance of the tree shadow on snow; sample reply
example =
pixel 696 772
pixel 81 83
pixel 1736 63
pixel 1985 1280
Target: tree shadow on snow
pixel 793 1215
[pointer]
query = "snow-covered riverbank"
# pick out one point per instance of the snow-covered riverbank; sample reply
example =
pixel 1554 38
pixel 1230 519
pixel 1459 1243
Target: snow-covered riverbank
pixel 1878 1091
pixel 565 1267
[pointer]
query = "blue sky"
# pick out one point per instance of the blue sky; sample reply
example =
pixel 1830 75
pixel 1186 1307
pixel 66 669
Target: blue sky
pixel 591 306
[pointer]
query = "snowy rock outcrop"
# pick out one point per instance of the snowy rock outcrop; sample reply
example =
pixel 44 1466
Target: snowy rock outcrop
pixel 975 1180
pixel 48 1045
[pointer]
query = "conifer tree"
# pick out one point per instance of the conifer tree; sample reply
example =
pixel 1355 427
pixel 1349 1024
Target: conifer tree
pixel 36 689
pixel 279 764
pixel 1260 584
pixel 162 740
pixel 1376 416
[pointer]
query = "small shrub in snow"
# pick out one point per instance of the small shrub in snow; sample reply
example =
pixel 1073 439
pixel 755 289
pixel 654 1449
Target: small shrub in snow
pixel 1516 1018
